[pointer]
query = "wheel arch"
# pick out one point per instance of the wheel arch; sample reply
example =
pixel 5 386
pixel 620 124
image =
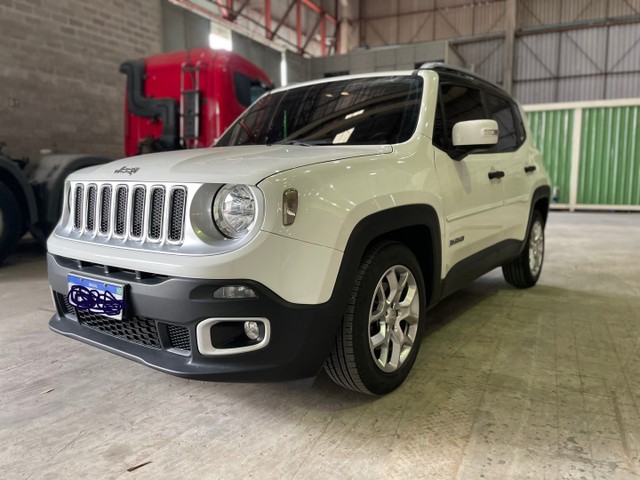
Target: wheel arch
pixel 540 203
pixel 415 226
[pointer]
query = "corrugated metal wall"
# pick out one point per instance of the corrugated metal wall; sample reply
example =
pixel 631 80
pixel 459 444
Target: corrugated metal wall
pixel 410 21
pixel 536 13
pixel 551 132
pixel 591 151
pixel 484 57
pixel 565 50
pixel 584 64
pixel 610 156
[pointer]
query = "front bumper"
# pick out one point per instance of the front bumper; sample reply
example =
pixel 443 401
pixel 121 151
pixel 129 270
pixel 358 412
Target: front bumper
pixel 163 314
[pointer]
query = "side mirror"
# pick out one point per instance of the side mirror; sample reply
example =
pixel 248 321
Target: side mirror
pixel 475 133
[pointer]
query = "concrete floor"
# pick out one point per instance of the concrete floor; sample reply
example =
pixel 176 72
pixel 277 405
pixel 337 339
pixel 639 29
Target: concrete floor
pixel 542 383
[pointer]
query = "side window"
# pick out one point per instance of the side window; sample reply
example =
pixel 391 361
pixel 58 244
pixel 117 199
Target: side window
pixel 460 104
pixel 247 89
pixel 439 139
pixel 500 110
pixel 522 132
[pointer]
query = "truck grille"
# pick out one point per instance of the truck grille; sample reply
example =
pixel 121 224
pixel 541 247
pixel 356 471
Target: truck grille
pixel 133 212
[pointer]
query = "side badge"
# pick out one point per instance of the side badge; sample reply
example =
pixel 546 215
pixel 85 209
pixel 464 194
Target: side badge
pixel 453 241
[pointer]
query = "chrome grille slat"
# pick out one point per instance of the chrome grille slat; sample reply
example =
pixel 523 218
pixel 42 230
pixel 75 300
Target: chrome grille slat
pixel 77 222
pixel 137 211
pixel 90 223
pixel 155 216
pixel 176 218
pixel 105 209
pixel 121 210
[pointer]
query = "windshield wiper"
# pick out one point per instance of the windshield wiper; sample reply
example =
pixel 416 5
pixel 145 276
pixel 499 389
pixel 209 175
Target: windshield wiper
pixel 292 142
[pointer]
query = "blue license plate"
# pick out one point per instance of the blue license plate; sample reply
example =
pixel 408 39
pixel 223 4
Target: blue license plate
pixel 95 296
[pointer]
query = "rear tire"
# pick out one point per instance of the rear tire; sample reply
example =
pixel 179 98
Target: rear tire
pixel 525 269
pixel 380 335
pixel 10 222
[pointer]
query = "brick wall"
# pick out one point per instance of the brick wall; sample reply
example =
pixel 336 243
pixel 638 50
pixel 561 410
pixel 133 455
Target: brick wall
pixel 59 82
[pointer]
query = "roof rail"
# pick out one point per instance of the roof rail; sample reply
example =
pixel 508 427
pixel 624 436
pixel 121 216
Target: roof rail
pixel 445 67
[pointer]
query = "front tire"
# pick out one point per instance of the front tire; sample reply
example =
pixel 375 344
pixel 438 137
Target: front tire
pixel 380 335
pixel 525 269
pixel 10 222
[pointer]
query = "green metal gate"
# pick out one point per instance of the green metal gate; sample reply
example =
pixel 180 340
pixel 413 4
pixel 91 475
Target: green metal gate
pixel 551 132
pixel 591 151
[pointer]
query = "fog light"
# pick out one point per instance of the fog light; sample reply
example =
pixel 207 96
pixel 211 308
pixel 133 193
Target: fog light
pixel 234 291
pixel 251 330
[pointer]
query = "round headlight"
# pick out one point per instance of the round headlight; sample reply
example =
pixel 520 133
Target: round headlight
pixel 234 210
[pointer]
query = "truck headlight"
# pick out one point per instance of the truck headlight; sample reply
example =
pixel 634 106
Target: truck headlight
pixel 234 210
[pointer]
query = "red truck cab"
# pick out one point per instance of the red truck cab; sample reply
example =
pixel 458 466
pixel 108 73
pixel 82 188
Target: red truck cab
pixel 186 99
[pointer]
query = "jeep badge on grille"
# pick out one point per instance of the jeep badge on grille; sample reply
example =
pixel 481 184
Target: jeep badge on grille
pixel 129 170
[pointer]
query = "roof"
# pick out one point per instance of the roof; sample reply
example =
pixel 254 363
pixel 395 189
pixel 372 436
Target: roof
pixel 457 71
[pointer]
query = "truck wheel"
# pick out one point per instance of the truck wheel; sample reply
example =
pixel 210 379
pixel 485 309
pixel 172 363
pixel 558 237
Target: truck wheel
pixel 524 270
pixel 380 335
pixel 10 222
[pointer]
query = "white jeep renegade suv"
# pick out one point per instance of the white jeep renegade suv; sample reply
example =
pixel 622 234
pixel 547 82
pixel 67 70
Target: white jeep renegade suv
pixel 318 231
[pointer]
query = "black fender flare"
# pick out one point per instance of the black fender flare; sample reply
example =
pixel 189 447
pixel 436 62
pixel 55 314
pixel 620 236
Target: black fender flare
pixel 15 179
pixel 540 193
pixel 382 225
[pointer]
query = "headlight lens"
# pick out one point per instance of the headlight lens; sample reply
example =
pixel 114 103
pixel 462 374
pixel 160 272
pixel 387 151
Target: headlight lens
pixel 234 210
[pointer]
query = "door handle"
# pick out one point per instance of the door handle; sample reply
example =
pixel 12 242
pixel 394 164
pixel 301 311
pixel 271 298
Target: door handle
pixel 496 174
pixel 530 168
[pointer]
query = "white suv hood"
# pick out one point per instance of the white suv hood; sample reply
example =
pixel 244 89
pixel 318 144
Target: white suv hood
pixel 246 164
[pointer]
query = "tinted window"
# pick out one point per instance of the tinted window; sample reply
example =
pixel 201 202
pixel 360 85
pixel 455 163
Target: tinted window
pixel 501 111
pixel 522 133
pixel 361 111
pixel 460 104
pixel 439 139
pixel 248 90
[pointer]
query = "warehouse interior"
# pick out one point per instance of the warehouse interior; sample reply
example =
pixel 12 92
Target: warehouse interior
pixel 539 383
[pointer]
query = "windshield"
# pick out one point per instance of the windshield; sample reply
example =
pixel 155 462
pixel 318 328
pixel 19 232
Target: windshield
pixel 360 111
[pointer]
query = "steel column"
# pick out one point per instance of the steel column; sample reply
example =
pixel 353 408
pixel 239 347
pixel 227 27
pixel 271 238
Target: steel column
pixel 323 36
pixel 509 44
pixel 267 19
pixel 298 27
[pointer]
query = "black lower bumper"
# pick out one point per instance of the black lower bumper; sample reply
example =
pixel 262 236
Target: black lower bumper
pixel 163 313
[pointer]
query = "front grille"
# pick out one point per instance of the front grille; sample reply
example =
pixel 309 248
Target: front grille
pixel 140 212
pixel 140 330
pixel 179 337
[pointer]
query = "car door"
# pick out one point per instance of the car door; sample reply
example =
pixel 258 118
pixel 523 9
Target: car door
pixel 512 160
pixel 472 191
